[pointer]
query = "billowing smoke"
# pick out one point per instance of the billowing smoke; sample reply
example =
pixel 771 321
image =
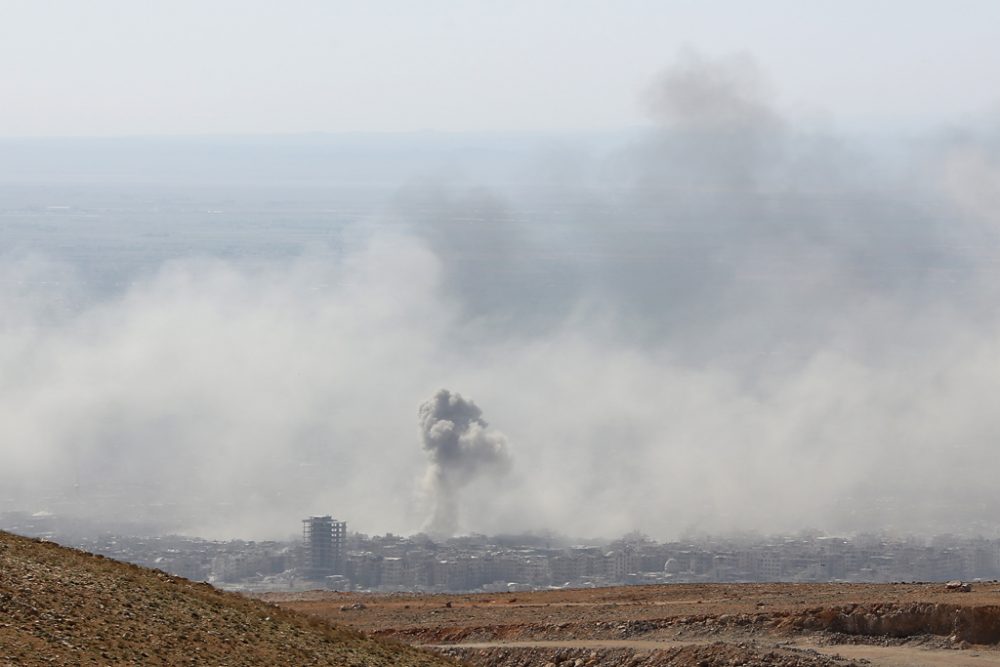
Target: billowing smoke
pixel 461 447
pixel 733 309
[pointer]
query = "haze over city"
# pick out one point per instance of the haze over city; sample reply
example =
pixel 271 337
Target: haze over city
pixel 579 267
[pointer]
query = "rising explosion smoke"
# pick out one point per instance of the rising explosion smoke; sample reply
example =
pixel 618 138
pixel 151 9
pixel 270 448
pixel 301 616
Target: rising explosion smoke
pixel 460 447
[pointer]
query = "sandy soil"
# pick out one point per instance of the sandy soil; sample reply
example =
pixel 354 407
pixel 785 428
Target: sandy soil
pixel 807 624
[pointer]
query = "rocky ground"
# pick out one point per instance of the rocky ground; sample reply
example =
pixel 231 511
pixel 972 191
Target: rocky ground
pixel 691 655
pixel 64 607
pixel 752 624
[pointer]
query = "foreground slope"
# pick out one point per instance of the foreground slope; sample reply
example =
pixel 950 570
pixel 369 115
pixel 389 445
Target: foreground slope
pixel 59 606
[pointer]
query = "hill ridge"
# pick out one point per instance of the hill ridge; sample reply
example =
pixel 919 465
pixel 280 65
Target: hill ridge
pixel 63 606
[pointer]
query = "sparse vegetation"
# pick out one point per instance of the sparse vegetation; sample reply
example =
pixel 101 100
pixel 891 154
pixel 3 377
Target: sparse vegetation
pixel 60 606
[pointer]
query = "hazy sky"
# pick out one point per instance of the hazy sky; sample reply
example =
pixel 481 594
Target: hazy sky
pixel 112 67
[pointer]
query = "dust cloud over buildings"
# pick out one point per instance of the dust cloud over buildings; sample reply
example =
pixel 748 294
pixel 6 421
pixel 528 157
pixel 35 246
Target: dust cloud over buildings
pixel 682 327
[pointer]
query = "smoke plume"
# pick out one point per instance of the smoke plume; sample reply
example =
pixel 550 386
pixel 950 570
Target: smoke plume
pixel 461 447
pixel 732 308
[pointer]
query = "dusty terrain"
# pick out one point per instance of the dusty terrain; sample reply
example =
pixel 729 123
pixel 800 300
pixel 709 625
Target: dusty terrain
pixel 756 624
pixel 64 607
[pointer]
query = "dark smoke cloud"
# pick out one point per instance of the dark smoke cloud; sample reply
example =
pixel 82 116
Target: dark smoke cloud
pixel 716 124
pixel 460 447
pixel 723 230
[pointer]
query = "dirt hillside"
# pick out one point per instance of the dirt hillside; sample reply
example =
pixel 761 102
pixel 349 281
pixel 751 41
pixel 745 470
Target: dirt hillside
pixel 59 606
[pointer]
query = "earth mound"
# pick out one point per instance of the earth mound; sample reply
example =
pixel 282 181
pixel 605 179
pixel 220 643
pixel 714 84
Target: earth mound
pixel 60 606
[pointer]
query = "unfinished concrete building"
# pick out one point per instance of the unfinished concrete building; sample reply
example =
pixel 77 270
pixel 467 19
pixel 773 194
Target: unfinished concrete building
pixel 324 542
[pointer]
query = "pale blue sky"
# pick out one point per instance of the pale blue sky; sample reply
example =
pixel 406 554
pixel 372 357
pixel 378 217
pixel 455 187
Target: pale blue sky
pixel 122 67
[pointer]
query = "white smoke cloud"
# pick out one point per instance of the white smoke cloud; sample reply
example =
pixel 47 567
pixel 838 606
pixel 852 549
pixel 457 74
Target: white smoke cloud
pixel 758 342
pixel 247 399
